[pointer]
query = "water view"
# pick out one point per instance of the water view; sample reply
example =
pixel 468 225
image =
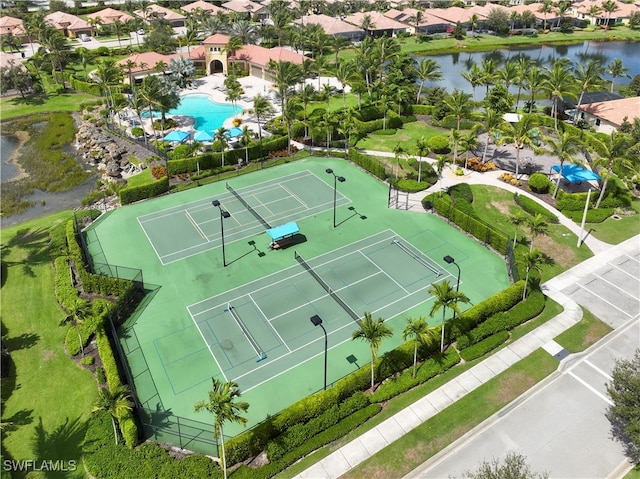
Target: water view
pixel 8 170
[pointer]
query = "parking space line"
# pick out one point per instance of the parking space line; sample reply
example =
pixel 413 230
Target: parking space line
pixel 616 266
pixel 591 388
pixel 586 361
pixel 615 285
pixel 600 297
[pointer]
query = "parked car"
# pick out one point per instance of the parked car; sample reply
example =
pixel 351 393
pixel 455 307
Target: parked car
pixel 140 32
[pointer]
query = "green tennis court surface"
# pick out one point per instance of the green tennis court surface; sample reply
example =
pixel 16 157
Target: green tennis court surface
pixel 205 320
pixel 179 232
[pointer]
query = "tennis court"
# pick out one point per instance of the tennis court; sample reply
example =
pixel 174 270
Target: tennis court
pixel 262 329
pixel 186 230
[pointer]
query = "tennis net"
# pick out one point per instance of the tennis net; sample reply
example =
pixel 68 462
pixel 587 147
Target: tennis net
pixel 249 207
pixel 254 344
pixel 418 257
pixel 327 288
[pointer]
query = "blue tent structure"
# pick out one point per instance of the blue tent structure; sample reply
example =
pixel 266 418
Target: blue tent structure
pixel 202 136
pixel 234 132
pixel 575 173
pixel 177 135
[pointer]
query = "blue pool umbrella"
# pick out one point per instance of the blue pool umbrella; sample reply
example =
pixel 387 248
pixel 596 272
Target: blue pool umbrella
pixel 575 174
pixel 201 135
pixel 234 132
pixel 177 135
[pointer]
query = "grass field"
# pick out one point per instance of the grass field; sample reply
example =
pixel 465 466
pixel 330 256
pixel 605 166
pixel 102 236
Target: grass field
pixel 48 397
pixel 585 333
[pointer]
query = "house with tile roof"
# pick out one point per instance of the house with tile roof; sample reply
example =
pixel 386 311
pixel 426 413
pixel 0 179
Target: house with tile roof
pixel 428 25
pixel 108 16
pixel 582 10
pixel 140 65
pixel 253 59
pixel 203 6
pixel 71 26
pixel 607 116
pixel 332 26
pixel 250 9
pixel 11 26
pixel 174 19
pixel 380 24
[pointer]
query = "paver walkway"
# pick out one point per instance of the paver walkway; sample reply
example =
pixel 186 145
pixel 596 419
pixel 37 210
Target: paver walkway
pixel 363 447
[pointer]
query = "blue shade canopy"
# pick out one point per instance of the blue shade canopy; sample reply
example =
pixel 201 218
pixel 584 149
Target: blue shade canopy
pixel 177 135
pixel 202 136
pixel 234 132
pixel 280 232
pixel 575 173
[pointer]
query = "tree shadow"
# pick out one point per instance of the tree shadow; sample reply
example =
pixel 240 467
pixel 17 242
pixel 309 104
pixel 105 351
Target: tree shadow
pixel 63 444
pixel 618 433
pixel 22 341
pixel 35 244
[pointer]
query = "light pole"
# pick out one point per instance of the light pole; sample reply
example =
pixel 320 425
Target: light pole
pixel 317 321
pixel 336 178
pixel 223 214
pixel 450 260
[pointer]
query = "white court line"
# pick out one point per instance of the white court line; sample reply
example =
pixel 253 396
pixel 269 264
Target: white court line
pixel 615 286
pixel 268 322
pixel 150 242
pixel 581 286
pixel 383 271
pixel 598 369
pixel 208 347
pixel 294 195
pixel 271 215
pixel 195 225
pixel 591 388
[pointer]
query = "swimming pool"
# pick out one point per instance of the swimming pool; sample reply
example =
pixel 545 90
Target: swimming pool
pixel 208 115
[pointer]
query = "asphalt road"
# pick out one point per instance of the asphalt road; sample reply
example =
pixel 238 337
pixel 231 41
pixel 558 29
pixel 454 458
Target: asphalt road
pixel 560 425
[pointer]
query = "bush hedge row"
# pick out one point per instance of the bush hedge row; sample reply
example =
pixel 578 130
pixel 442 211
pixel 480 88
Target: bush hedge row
pixel 370 164
pixel 335 432
pixel 131 194
pixel 534 208
pixel 593 216
pixel 504 321
pixel 483 231
pixel 483 347
pixel 461 191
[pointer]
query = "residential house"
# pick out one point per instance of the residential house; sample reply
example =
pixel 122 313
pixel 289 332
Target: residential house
pixel 584 11
pixel 140 65
pixel 108 16
pixel 11 26
pixel 332 26
pixel 70 25
pixel 203 6
pixel 174 19
pixel 428 24
pixel 252 10
pixel 607 116
pixel 379 24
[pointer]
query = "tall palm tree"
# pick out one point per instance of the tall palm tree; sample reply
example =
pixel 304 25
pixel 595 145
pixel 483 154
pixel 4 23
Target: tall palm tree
pixel 533 82
pixel 610 6
pixel 78 310
pixel 588 77
pixel 459 105
pixel 441 163
pixel 469 141
pixel 245 139
pixel 537 226
pixel 445 297
pixel 532 260
pixel 262 109
pixel 373 332
pixel 286 75
pixel 108 74
pixel 546 8
pixel 422 149
pixel 474 76
pixel 492 120
pixel 427 69
pixel 517 220
pixel 345 72
pixel 521 133
pixel 420 333
pixel 117 403
pixel 615 150
pixel 559 84
pixel 523 64
pixel 220 136
pixel 225 407
pixel 398 151
pixel 455 137
pixel 617 70
pixel 564 148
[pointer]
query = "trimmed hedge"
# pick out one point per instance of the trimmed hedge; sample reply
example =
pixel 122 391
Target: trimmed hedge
pixel 483 347
pixel 148 190
pixel 369 163
pixel 504 321
pixel 539 183
pixel 534 208
pixel 387 132
pixel 421 109
pixel 593 216
pixel 461 191
pixel 411 186
pixel 439 144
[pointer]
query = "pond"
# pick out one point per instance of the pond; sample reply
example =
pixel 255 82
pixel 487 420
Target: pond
pixel 8 169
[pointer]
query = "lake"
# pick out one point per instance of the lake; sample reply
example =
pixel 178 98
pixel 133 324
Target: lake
pixel 454 64
pixel 8 170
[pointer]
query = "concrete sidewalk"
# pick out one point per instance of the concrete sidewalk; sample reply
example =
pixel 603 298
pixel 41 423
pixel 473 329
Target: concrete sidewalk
pixel 365 446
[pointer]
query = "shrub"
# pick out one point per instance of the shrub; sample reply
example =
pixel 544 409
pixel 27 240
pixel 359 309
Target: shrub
pixel 141 192
pixel 100 376
pixel 87 361
pixel 593 216
pixel 533 208
pixel 476 164
pixel 539 183
pixel 387 132
pixel 369 163
pixel 461 191
pixel 509 178
pixel 421 109
pixel 72 341
pixel 439 144
pixel 411 186
pixel 483 347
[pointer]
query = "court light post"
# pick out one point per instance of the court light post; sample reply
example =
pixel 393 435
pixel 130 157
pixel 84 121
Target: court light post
pixel 336 178
pixel 317 321
pixel 223 214
pixel 450 260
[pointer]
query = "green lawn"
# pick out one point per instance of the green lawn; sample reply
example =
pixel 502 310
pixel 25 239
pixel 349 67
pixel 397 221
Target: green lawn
pixel 406 136
pixel 583 334
pixel 415 447
pixel 48 397
pixel 67 101
pixel 633 473
pixel 616 231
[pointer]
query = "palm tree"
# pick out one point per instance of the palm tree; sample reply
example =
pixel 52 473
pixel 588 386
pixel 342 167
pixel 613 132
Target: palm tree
pixel 615 150
pixel 419 331
pixel 523 64
pixel 564 148
pixel 245 139
pixel 117 403
pixel 559 84
pixel 546 8
pixel 107 74
pixel 537 226
pixel 459 105
pixel 588 76
pixel 455 137
pixel 223 405
pixel 345 72
pixel 474 76
pixel 422 149
pixel 78 310
pixel 220 136
pixel 520 134
pixel 492 121
pixel 445 297
pixel 533 81
pixel 532 260
pixel 617 69
pixel 373 332
pixel 610 6
pixel 441 162
pixel 517 220
pixel 286 75
pixel 469 142
pixel 428 69
pixel 262 108
pixel 398 151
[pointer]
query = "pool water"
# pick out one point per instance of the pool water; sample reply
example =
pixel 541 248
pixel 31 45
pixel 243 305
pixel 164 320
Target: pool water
pixel 208 115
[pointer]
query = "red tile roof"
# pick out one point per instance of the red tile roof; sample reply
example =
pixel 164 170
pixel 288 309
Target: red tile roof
pixel 615 111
